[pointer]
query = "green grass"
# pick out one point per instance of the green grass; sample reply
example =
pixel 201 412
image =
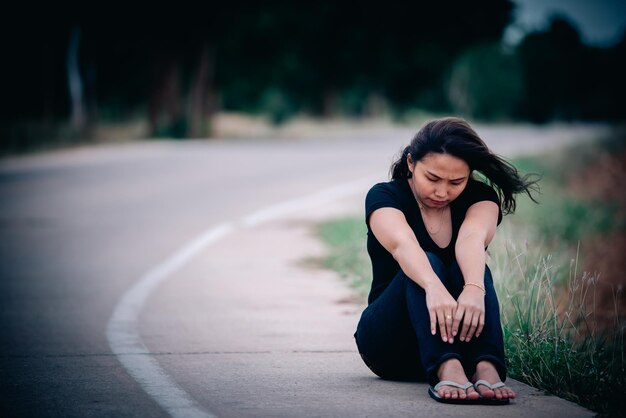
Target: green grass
pixel 561 216
pixel 552 340
pixel 550 334
pixel 346 238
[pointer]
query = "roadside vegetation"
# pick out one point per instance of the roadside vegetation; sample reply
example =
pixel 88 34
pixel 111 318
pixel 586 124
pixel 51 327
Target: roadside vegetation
pixel 74 82
pixel 558 268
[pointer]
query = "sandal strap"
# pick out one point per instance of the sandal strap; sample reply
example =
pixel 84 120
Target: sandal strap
pixel 464 386
pixel 496 385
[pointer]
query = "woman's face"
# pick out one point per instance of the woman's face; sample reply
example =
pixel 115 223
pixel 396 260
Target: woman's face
pixel 438 178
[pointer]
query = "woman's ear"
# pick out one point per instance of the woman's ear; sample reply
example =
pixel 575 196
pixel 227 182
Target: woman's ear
pixel 409 162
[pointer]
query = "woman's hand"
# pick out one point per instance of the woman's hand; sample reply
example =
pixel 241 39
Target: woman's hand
pixel 441 308
pixel 471 312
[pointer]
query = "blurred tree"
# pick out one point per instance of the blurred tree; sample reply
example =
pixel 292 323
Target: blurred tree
pixel 485 83
pixel 549 67
pixel 566 80
pixel 551 63
pixel 316 53
pixel 275 56
pixel 604 87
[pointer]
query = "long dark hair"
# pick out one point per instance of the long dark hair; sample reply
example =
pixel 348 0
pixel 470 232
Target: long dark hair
pixel 455 137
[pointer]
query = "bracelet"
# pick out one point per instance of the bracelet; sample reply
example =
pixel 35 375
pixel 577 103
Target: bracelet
pixel 475 284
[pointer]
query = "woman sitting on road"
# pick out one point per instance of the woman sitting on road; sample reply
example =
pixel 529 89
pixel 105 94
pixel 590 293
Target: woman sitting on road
pixel 428 230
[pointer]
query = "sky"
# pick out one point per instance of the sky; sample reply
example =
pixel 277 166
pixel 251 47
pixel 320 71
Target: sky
pixel 599 22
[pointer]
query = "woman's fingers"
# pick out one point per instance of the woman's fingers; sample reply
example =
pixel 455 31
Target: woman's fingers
pixel 473 318
pixel 458 317
pixel 433 321
pixel 449 316
pixel 465 327
pixel 441 309
pixel 472 327
pixel 441 318
pixel 481 324
pixel 475 326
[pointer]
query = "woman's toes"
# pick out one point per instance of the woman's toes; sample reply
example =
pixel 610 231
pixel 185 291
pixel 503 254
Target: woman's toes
pixel 485 392
pixel 456 394
pixel 504 393
pixel 472 394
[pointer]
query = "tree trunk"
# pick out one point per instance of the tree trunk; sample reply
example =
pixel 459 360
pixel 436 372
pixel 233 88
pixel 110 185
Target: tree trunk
pixel 75 83
pixel 164 111
pixel 201 98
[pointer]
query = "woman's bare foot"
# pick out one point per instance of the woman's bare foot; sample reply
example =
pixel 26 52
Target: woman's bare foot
pixel 485 370
pixel 453 370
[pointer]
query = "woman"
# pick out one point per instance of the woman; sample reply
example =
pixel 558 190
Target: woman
pixel 432 310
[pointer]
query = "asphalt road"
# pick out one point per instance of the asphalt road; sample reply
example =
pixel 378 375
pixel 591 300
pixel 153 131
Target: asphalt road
pixel 80 227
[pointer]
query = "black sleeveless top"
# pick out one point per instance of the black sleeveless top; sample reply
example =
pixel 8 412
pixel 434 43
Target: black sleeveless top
pixel 397 194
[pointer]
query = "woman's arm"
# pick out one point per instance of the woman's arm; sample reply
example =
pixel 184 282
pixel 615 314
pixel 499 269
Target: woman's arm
pixel 396 236
pixel 475 234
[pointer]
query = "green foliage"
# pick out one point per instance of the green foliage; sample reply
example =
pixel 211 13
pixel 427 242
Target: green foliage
pixel 561 216
pixel 485 83
pixel 317 58
pixel 274 57
pixel 550 337
pixel 27 136
pixel 277 105
pixel 176 129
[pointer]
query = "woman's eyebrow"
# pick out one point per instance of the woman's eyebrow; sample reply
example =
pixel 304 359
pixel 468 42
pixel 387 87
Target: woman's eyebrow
pixel 436 176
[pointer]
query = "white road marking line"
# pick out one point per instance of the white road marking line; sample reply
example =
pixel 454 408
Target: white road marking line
pixel 301 203
pixel 125 341
pixel 122 334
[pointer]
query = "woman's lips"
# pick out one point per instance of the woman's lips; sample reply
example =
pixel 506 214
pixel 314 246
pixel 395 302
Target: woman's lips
pixel 438 202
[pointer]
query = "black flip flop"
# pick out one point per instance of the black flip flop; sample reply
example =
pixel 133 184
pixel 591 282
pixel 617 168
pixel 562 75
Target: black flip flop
pixel 494 400
pixel 434 393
